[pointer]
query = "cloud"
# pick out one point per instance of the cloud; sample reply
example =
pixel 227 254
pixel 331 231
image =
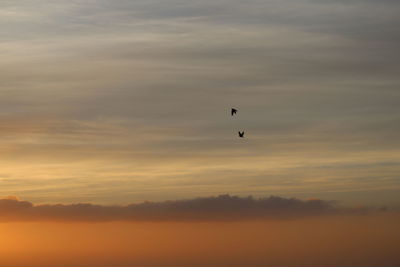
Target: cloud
pixel 135 84
pixel 220 208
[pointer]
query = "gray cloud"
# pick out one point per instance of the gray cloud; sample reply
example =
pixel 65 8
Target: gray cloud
pixel 223 207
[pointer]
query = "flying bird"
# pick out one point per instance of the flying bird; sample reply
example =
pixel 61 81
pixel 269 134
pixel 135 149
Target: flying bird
pixel 241 134
pixel 233 111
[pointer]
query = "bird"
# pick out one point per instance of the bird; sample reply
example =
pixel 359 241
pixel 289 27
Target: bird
pixel 233 111
pixel 241 134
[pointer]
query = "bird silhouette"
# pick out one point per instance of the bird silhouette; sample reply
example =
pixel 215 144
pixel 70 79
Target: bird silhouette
pixel 241 134
pixel 233 111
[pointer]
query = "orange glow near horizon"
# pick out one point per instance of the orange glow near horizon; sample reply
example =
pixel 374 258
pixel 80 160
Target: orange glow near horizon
pixel 358 240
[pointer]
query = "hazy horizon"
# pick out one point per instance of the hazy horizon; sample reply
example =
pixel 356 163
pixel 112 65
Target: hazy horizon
pixel 214 231
pixel 118 146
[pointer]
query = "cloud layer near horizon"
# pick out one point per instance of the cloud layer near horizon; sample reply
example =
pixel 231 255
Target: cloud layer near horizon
pixel 220 208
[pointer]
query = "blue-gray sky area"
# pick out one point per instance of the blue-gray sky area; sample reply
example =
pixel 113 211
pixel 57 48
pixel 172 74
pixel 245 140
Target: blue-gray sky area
pixel 115 102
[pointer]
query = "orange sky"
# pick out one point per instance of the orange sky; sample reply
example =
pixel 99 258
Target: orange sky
pixel 368 240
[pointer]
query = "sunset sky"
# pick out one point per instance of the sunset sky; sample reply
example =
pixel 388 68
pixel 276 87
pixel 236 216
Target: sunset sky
pixel 125 101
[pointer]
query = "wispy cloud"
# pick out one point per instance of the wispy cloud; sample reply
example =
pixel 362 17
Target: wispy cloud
pixel 149 82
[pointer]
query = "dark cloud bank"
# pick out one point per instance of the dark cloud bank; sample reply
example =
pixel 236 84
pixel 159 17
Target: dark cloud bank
pixel 220 208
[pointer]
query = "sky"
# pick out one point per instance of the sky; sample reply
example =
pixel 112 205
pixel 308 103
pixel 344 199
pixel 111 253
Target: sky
pixel 118 147
pixel 120 102
pixel 351 241
pixel 210 231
